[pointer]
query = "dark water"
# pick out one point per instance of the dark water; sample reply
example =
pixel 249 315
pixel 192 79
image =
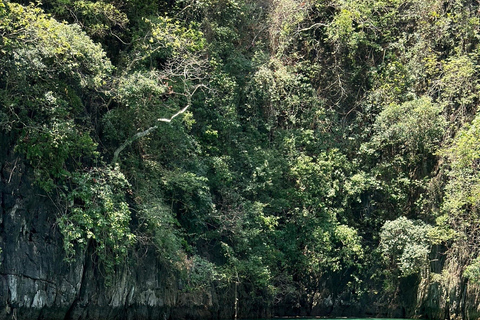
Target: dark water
pixel 323 318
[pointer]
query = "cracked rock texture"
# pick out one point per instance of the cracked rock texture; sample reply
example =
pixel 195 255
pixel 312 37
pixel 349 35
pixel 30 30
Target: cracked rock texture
pixel 36 283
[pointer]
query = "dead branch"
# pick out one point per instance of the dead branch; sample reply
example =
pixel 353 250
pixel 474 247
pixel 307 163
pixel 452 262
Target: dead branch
pixel 142 134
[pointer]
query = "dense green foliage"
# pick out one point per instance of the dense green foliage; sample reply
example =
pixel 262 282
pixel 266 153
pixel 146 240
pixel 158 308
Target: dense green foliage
pixel 273 144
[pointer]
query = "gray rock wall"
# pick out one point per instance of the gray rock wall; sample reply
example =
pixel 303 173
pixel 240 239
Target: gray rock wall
pixel 36 282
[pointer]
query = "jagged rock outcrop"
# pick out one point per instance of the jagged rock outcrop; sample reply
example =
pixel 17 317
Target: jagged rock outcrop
pixel 36 282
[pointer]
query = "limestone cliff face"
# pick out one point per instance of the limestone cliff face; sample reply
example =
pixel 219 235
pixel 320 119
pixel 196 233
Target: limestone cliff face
pixel 36 282
pixel 444 293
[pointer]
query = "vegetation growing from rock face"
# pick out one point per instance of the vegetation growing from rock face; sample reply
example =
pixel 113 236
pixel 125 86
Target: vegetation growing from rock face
pixel 273 146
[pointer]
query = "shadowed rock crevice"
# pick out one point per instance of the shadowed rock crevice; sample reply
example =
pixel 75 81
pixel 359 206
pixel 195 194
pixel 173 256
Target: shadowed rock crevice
pixel 37 283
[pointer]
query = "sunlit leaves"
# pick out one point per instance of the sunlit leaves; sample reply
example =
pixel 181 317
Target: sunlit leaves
pixel 463 189
pixel 45 66
pixel 51 146
pixel 414 128
pixel 284 20
pixel 140 89
pixel 405 243
pixel 472 271
pixel 52 48
pixel 458 86
pixel 97 18
pixel 286 96
pixel 98 213
pixel 309 124
pixel 165 38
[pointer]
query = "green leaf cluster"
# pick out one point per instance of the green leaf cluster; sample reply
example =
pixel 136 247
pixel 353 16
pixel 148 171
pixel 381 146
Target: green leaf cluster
pixel 289 151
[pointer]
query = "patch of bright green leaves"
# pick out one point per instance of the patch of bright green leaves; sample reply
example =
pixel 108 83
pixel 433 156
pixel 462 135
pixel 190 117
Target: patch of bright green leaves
pixel 406 244
pixel 97 213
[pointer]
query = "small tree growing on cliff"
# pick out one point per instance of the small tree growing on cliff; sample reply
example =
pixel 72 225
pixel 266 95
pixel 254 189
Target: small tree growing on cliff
pixel 405 245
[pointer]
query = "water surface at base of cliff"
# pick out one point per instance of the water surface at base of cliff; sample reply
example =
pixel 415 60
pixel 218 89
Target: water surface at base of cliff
pixel 326 318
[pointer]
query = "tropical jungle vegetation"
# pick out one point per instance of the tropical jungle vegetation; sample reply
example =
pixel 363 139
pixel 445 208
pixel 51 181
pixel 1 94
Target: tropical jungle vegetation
pixel 276 145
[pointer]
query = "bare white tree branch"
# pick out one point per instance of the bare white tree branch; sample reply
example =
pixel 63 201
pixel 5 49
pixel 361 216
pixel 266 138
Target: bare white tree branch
pixel 175 115
pixel 315 25
pixel 141 134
